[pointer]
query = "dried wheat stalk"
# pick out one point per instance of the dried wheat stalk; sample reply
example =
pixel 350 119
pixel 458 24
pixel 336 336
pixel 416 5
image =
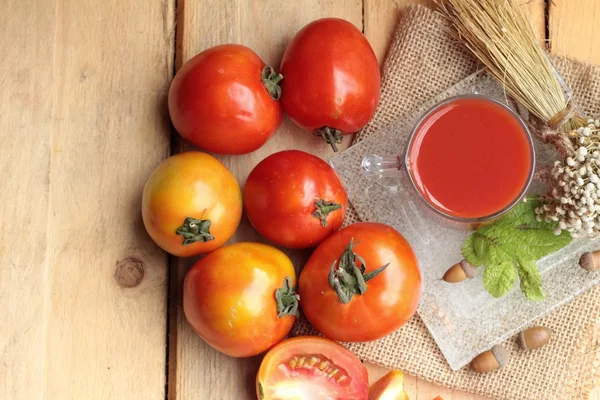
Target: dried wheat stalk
pixel 499 34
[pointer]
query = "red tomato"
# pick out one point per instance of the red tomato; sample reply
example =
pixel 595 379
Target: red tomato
pixel 240 298
pixel 335 297
pixel 295 199
pixel 390 386
pixel 311 368
pixel 331 79
pixel 191 204
pixel 224 100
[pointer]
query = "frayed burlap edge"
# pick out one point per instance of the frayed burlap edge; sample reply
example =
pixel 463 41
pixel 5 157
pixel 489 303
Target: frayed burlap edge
pixel 423 61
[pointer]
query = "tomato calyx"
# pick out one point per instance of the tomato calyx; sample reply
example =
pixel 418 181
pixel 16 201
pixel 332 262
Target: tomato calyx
pixel 270 79
pixel 331 136
pixel 323 208
pixel 287 299
pixel 195 230
pixel 347 278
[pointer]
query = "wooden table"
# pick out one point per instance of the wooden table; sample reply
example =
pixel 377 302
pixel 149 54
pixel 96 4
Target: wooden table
pixel 83 122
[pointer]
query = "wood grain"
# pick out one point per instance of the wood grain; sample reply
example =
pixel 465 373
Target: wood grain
pixel 381 18
pixel 25 110
pixel 575 29
pixel 83 86
pixel 266 26
pixel 536 11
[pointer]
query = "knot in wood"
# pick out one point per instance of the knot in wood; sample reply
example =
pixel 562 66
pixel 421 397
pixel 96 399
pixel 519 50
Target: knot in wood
pixel 129 272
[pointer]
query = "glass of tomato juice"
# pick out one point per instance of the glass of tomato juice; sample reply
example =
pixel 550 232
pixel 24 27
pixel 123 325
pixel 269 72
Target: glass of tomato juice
pixel 470 158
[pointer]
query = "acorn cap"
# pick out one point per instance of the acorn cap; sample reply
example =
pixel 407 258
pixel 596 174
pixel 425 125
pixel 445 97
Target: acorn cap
pixel 490 360
pixel 459 272
pixel 470 270
pixel 501 354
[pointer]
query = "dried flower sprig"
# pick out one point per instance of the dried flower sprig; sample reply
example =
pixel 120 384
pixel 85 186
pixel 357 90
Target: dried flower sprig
pixel 573 199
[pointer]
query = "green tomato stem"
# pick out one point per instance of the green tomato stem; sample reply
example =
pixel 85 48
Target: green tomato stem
pixel 270 79
pixel 323 208
pixel 195 230
pixel 287 299
pixel 347 278
pixel 331 136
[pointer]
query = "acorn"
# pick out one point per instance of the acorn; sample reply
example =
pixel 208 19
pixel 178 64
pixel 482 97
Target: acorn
pixel 496 357
pixel 459 272
pixel 534 337
pixel 590 261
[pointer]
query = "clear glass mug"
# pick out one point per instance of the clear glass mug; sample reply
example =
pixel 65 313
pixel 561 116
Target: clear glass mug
pixel 375 167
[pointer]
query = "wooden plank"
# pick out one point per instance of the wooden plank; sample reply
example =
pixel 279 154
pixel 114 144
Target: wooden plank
pixel 82 126
pixel 195 369
pixel 25 107
pixel 536 11
pixel 575 29
pixel 380 19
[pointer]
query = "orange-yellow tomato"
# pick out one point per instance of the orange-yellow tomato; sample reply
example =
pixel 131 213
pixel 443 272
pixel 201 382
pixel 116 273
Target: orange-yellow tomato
pixel 191 204
pixel 240 299
pixel 390 386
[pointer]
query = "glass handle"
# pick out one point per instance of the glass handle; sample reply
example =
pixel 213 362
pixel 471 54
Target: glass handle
pixel 375 167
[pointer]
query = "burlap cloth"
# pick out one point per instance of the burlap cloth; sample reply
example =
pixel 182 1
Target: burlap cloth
pixel 423 61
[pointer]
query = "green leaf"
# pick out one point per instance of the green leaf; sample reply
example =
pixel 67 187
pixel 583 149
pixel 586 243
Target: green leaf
pixel 532 238
pixel 531 282
pixel 470 254
pixel 499 279
pixel 537 239
pixel 522 213
pixel 518 239
pixel 493 244
pixel 501 241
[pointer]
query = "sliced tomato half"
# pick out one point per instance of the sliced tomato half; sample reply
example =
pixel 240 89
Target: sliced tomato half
pixel 310 368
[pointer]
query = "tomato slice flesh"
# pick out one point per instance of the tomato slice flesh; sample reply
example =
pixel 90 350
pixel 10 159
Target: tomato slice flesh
pixel 304 387
pixel 309 368
pixel 389 387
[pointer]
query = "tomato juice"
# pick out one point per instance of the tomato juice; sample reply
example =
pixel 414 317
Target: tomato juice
pixel 470 158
